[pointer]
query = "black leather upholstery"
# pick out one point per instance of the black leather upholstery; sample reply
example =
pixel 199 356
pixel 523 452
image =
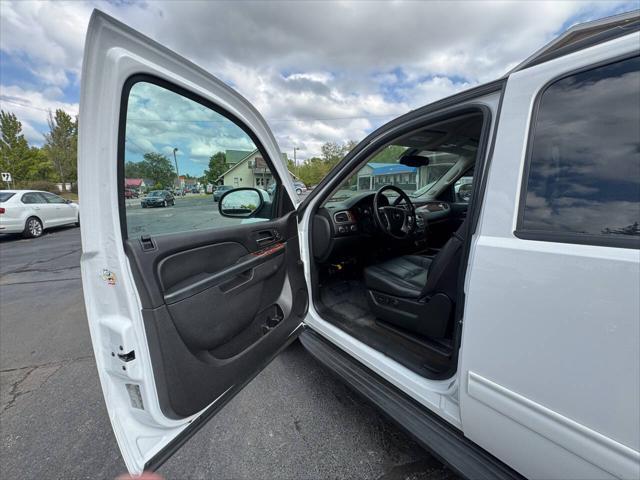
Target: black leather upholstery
pixel 416 292
pixel 413 276
pixel 403 276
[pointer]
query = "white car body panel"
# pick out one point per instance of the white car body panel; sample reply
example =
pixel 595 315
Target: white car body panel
pixel 114 52
pixel 542 369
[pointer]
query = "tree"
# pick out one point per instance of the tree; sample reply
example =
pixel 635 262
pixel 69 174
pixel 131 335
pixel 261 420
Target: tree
pixel 332 153
pixel 389 154
pixel 158 168
pixel 14 147
pixel 155 167
pixel 350 145
pixel 40 167
pixel 133 170
pixel 61 145
pixel 315 169
pixel 217 166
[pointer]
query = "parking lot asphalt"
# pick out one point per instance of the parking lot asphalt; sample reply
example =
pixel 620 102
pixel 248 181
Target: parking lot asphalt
pixel 189 213
pixel 294 420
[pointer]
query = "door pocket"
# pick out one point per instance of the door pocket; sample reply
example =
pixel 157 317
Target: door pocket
pixel 218 312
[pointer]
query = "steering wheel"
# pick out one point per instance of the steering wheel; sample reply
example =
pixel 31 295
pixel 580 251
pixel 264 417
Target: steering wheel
pixel 397 220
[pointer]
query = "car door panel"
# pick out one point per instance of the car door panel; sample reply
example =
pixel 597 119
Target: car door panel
pixel 206 341
pixel 218 301
pixel 550 325
pixel 179 321
pixel 70 213
pixel 57 210
pixel 45 211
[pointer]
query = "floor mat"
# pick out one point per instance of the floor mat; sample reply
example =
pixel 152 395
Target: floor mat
pixel 347 307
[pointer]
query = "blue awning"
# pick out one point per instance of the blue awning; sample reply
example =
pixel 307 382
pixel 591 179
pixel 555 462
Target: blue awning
pixel 390 169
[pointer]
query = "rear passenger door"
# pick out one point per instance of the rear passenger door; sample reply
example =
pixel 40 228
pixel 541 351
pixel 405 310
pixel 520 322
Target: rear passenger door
pixel 550 359
pixel 41 208
pixel 185 305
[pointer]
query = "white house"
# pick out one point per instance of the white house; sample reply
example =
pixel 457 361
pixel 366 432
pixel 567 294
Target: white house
pixel 250 171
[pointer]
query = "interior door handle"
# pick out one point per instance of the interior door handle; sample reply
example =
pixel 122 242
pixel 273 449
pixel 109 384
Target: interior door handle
pixel 263 240
pixel 267 236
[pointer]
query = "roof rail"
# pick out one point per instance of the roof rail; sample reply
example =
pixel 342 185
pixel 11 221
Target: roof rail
pixel 584 35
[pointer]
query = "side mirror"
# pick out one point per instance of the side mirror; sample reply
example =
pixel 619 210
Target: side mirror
pixel 240 202
pixel 68 201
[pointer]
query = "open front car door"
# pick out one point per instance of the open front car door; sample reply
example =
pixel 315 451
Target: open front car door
pixel 188 295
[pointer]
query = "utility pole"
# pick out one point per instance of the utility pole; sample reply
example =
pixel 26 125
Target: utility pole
pixel 175 160
pixel 295 161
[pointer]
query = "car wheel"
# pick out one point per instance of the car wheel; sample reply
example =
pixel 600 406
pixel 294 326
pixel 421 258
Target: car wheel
pixel 173 203
pixel 32 228
pixel 144 205
pixel 299 191
pixel 78 222
pixel 164 203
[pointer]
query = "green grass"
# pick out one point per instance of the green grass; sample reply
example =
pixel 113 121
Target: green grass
pixel 70 196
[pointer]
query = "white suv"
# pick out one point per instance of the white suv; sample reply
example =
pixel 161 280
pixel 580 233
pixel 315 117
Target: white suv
pixel 499 326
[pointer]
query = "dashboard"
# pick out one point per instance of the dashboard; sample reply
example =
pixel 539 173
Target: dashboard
pixel 341 225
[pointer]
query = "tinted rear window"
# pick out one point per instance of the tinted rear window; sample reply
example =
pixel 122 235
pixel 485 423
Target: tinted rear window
pixel 584 172
pixel 4 196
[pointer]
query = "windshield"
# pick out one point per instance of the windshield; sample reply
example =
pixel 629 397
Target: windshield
pixel 414 181
pixel 4 196
pixel 156 193
pixel 438 152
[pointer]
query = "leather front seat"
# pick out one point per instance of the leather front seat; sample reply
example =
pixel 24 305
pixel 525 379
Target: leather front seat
pixel 417 292
pixel 402 276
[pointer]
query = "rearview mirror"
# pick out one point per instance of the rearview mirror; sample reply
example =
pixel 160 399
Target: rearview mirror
pixel 414 161
pixel 240 203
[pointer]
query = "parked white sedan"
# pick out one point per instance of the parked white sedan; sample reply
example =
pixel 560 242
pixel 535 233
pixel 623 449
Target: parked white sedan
pixel 30 212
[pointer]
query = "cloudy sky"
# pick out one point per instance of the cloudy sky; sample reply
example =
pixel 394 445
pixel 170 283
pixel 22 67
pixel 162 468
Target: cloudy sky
pixel 317 71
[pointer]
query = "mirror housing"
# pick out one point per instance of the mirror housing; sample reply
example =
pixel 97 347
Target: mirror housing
pixel 240 202
pixel 414 161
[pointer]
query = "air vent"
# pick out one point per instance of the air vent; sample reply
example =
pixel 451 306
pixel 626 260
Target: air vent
pixel 341 217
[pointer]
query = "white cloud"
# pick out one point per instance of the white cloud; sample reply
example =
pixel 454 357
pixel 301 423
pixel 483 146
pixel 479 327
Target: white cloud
pixel 305 64
pixel 32 108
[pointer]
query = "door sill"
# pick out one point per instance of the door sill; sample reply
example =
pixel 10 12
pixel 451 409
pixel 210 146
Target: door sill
pixel 439 396
pixel 443 440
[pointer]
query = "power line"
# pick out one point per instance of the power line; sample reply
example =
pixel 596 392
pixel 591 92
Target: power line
pixel 224 120
pixel 2 100
pixel 271 120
